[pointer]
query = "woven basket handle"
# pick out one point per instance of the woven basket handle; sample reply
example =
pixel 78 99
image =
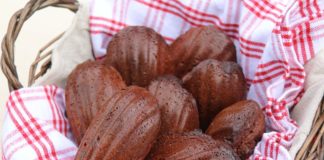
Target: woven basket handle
pixel 15 25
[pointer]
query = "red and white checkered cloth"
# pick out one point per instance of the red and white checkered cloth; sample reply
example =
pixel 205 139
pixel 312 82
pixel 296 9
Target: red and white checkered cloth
pixel 273 38
pixel 35 126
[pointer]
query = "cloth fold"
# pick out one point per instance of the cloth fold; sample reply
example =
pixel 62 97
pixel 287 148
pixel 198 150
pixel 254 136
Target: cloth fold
pixel 305 110
pixel 72 49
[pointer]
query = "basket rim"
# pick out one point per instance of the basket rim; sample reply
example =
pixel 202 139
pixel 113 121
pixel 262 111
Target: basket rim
pixel 14 27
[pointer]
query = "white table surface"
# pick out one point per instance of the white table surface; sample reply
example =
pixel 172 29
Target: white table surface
pixel 37 31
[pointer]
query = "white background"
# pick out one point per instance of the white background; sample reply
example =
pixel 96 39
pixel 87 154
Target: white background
pixel 37 31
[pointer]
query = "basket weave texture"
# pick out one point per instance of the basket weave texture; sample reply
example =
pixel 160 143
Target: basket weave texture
pixel 313 147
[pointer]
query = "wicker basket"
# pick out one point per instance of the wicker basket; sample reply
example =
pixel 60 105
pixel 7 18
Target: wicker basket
pixel 313 147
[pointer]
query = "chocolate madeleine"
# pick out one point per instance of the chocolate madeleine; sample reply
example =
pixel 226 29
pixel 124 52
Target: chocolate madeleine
pixel 190 146
pixel 241 124
pixel 199 44
pixel 88 87
pixel 137 53
pixel 178 108
pixel 215 85
pixel 125 129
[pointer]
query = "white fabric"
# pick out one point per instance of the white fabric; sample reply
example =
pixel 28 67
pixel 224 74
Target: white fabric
pixel 35 126
pixel 72 49
pixel 304 111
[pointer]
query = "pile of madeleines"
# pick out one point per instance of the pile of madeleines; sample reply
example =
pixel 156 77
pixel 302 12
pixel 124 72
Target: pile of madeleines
pixel 150 100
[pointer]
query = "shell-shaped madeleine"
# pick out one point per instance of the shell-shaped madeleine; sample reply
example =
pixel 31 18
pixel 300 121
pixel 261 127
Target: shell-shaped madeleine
pixel 126 128
pixel 190 146
pixel 215 85
pixel 138 53
pixel 242 124
pixel 88 87
pixel 178 108
pixel 199 44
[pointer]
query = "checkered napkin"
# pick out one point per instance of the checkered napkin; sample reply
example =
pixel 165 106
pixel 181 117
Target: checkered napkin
pixel 273 38
pixel 35 126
